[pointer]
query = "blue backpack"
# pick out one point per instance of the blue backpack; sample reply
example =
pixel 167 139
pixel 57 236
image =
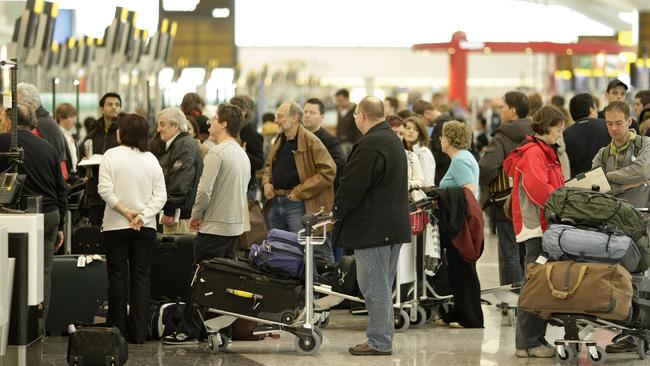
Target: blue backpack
pixel 280 252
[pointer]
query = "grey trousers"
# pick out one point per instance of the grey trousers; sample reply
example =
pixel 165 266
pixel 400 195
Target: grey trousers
pixel 530 329
pixel 50 231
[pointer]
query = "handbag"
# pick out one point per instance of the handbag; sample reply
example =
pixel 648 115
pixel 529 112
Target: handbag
pixel 258 231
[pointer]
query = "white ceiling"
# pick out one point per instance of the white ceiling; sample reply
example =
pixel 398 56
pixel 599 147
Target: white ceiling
pixel 603 11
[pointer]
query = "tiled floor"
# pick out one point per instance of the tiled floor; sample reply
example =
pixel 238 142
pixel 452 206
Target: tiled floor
pixel 429 345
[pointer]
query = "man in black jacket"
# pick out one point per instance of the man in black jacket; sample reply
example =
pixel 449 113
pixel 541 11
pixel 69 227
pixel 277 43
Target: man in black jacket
pixel 104 137
pixel 312 119
pixel 45 125
pixel 45 179
pixel 182 166
pixel 251 140
pixel 371 208
pixel 586 136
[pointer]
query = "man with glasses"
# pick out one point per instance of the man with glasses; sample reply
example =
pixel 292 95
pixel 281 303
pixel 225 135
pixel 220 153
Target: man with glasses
pixel 371 208
pixel 299 173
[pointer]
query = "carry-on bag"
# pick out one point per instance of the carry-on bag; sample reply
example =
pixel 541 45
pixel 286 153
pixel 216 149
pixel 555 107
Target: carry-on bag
pixel 280 252
pixel 582 207
pixel 76 292
pixel 97 346
pixel 87 240
pixel 568 287
pixel 641 301
pixel 172 266
pixel 565 242
pixel 258 231
pixel 240 287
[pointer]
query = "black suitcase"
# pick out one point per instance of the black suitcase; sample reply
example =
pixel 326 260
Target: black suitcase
pixel 97 346
pixel 172 267
pixel 77 293
pixel 87 240
pixel 239 287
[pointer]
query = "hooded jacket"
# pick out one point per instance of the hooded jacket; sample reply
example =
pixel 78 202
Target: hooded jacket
pixel 536 172
pixel 505 139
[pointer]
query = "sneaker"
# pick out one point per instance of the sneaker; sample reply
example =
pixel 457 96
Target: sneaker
pixel 623 346
pixel 365 349
pixel 541 351
pixel 179 339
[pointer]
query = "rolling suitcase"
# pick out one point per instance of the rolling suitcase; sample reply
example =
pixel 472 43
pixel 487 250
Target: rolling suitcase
pixel 97 346
pixel 239 287
pixel 87 240
pixel 77 292
pixel 172 267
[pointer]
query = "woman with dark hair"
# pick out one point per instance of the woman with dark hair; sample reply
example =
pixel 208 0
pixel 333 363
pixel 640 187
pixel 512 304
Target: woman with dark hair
pixel 132 184
pixel 415 176
pixel 416 139
pixel 192 105
pixel 536 172
pixel 193 130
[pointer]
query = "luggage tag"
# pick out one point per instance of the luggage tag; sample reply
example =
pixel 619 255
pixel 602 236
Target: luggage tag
pixel 81 261
pixel 541 260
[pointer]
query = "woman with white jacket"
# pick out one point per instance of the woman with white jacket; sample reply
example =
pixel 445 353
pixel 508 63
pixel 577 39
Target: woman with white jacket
pixel 416 177
pixel 131 182
pixel 417 140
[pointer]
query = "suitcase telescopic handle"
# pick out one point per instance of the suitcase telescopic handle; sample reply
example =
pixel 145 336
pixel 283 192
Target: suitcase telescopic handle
pixel 564 294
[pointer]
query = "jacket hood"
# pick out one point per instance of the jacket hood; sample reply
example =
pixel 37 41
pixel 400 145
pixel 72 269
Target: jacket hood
pixel 516 130
pixel 515 156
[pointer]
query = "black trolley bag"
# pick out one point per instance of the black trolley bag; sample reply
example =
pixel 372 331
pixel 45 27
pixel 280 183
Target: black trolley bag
pixel 172 266
pixel 238 287
pixel 97 346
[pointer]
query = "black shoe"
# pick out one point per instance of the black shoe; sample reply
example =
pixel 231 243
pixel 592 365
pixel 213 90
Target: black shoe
pixel 623 346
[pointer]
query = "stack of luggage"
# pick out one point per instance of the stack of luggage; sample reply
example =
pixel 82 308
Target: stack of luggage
pixel 597 249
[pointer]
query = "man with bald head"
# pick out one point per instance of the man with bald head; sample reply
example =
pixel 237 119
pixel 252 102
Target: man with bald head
pixel 299 172
pixel 371 208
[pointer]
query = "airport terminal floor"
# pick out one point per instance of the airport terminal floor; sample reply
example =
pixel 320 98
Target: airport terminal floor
pixel 428 345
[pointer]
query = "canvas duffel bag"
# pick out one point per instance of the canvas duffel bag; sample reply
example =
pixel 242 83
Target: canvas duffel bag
pixel 565 242
pixel 582 207
pixel 568 287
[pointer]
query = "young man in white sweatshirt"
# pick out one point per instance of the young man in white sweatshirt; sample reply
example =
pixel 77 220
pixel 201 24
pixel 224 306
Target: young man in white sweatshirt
pixel 220 212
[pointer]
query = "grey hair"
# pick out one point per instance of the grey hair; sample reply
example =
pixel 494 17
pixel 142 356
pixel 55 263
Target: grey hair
pixel 175 116
pixel 28 94
pixel 295 110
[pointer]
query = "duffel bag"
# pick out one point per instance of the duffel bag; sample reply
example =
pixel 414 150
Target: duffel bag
pixel 564 242
pixel 165 317
pixel 280 252
pixel 583 207
pixel 568 287
pixel 97 346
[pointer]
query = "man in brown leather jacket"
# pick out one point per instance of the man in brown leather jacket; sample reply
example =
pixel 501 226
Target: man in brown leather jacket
pixel 299 172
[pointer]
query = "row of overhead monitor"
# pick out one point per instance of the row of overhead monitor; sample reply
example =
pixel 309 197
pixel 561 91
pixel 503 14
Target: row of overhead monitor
pixel 33 41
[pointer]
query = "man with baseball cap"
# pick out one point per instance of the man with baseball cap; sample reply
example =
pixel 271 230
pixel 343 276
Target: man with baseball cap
pixel 616 91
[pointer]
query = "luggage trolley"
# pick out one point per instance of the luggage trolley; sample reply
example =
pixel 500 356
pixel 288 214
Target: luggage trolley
pixel 431 301
pixel 308 336
pixel 407 312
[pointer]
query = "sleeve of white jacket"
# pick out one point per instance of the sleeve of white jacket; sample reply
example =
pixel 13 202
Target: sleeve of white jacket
pixel 428 164
pixel 106 186
pixel 416 180
pixel 158 197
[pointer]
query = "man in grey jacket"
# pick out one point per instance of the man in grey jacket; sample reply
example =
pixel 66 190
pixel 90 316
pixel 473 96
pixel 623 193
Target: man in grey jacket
pixel 220 212
pixel 512 131
pixel 626 160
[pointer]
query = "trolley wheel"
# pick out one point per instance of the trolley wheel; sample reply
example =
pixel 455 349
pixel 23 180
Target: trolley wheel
pixel 320 334
pixel 430 313
pixel 421 318
pixel 402 321
pixel 642 348
pixel 596 354
pixel 218 342
pixel 308 345
pixel 564 353
pixel 325 319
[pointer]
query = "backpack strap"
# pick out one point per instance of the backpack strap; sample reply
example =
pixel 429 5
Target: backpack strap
pixel 638 143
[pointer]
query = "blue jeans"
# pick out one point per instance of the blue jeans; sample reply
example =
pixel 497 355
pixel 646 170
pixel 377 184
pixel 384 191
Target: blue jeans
pixel 530 328
pixel 511 254
pixel 376 269
pixel 286 214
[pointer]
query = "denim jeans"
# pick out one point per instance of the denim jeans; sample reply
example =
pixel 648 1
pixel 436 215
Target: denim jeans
pixel 286 214
pixel 511 254
pixel 128 258
pixel 530 329
pixel 376 269
pixel 206 246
